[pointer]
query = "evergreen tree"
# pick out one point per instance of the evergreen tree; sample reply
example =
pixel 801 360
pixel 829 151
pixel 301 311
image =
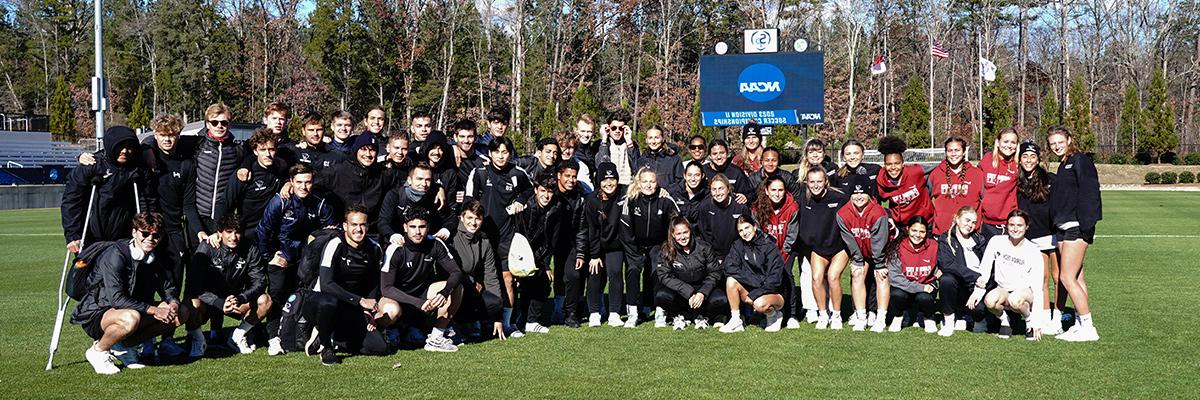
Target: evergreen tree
pixel 62 118
pixel 1132 121
pixel 1160 136
pixel 139 116
pixel 914 113
pixel 997 112
pixel 583 102
pixel 1049 117
pixel 698 127
pixel 1079 116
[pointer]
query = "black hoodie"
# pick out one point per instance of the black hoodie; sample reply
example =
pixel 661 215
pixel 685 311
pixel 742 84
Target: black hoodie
pixel 717 223
pixel 664 162
pixel 223 271
pixel 697 271
pixel 756 265
pixel 646 219
pixel 603 226
pixel 115 202
pixel 818 221
pixel 174 181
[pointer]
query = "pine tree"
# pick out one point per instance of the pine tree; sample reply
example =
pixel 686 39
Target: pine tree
pixel 914 113
pixel 698 127
pixel 62 118
pixel 1079 116
pixel 997 112
pixel 1132 121
pixel 139 116
pixel 1050 117
pixel 1160 136
pixel 651 117
pixel 583 102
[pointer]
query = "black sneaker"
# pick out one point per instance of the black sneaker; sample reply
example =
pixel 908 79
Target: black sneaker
pixel 313 346
pixel 571 323
pixel 329 358
pixel 1005 332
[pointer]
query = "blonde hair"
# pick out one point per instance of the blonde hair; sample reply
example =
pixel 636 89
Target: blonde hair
pixel 167 123
pixel 996 145
pixel 812 144
pixel 634 191
pixel 217 109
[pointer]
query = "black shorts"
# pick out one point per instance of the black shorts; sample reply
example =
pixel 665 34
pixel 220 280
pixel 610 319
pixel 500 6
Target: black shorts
pixel 92 325
pixel 1076 233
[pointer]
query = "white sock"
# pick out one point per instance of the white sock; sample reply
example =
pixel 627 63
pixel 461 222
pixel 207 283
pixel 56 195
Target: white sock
pixel 861 315
pixel 948 319
pixel 438 332
pixel 96 347
pixel 735 315
pixel 881 314
pixel 1003 319
pixel 1056 315
pixel 1085 320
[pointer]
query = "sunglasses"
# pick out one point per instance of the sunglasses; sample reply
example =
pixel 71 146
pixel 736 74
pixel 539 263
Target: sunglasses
pixel 218 122
pixel 151 235
pixel 696 147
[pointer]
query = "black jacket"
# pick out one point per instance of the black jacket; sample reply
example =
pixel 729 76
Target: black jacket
pixel 570 242
pixel 789 179
pixel 664 162
pixel 1075 195
pixel 318 157
pixel 349 183
pixel 951 258
pixel 688 202
pixel 496 189
pixel 843 183
pixel 216 162
pixel 174 181
pixel 410 268
pixel 348 273
pixel 118 281
pixel 818 222
pixel 396 202
pixel 697 271
pixel 249 199
pixel 116 201
pixel 1041 216
pixel 603 226
pixel 223 271
pixel 645 220
pixel 540 225
pixel 738 180
pixel 717 224
pixel 756 265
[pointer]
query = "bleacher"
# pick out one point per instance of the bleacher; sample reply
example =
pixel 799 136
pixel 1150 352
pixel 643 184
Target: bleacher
pixel 36 149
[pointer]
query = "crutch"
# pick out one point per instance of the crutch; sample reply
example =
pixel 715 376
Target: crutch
pixel 63 300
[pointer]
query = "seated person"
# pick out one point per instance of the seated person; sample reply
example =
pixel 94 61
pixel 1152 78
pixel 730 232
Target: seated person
pixel 483 294
pixel 755 276
pixel 227 279
pixel 1015 264
pixel 912 273
pixel 689 278
pixel 419 278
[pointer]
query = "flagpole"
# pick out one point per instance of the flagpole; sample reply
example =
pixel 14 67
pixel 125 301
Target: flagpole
pixel 931 72
pixel 979 86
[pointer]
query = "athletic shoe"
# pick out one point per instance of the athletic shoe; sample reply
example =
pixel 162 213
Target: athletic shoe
pixel 960 325
pixel 792 323
pixel 853 319
pixel 312 347
pixel 169 348
pixel 897 324
pixel 1083 334
pixel 810 316
pixel 101 361
pixel 238 342
pixel 718 325
pixel 734 325
pixel 534 327
pixel 1005 332
pixel 571 323
pixel 614 320
pixel 774 321
pixel 930 326
pixel 1052 327
pixel 516 334
pixel 274 346
pixel 835 321
pixel 981 326
pixel 147 351
pixel 127 356
pixel 593 320
pixel 878 326
pixel 631 321
pixel 871 318
pixel 328 357
pixel 947 330
pixel 1029 335
pixel 679 324
pixel 858 324
pixel 823 321
pixel 701 323
pixel 440 344
pixel 199 345
pixel 660 318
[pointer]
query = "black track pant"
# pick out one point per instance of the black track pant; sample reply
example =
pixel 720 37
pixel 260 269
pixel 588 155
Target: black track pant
pixel 716 304
pixel 569 283
pixel 532 293
pixel 281 283
pixel 902 300
pixel 480 305
pixel 345 323
pixel 612 275
pixel 176 256
pixel 639 277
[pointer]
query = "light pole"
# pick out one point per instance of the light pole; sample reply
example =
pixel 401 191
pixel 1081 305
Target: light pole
pixel 99 87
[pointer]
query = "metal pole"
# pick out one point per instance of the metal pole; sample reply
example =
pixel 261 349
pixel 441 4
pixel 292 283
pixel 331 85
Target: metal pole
pixel 99 87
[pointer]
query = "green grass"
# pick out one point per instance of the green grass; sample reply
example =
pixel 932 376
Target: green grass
pixel 1143 291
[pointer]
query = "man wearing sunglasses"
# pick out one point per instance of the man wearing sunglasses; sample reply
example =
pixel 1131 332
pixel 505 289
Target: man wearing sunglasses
pixel 697 149
pixel 119 307
pixel 217 157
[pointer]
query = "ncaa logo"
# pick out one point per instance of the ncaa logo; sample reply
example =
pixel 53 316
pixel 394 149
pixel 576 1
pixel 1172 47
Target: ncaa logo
pixel 761 82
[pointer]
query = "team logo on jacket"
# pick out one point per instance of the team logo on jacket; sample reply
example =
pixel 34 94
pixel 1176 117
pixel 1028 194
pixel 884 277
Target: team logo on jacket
pixel 833 205
pixel 259 185
pixel 637 212
pixel 735 216
pixel 304 158
pixel 176 174
pixel 240 264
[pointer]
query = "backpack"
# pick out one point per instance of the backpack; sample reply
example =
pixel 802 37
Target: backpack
pixel 294 329
pixel 77 284
pixel 310 260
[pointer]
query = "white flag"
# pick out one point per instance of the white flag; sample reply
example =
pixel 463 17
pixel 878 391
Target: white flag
pixel 987 69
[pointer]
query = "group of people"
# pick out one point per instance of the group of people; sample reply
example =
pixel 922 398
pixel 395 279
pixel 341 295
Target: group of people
pixel 365 243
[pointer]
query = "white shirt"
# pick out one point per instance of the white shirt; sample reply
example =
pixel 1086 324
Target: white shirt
pixel 1016 267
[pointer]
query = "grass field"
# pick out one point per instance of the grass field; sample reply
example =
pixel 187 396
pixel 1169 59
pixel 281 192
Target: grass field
pixel 1142 272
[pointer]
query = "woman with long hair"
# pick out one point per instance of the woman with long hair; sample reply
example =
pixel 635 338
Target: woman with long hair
pixel 865 230
pixel 1015 265
pixel 1033 197
pixel 814 157
pixel 999 182
pixel 778 213
pixel 750 158
pixel 960 250
pixel 852 164
pixel 602 248
pixel 902 185
pixel 954 184
pixel 755 276
pixel 645 219
pixel 1075 204
pixel 718 164
pixel 714 217
pixel 770 168
pixel 826 251
pixel 689 277
pixel 693 189
pixel 912 273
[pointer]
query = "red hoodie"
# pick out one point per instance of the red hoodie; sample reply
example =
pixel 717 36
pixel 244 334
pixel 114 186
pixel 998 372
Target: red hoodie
pixel 777 227
pixel 909 197
pixel 951 191
pixel 918 264
pixel 860 225
pixel 999 190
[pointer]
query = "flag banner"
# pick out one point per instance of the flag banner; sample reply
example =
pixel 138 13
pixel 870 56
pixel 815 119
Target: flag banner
pixel 987 69
pixel 879 66
pixel 937 50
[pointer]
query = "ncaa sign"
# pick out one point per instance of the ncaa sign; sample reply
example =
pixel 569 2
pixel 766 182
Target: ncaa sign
pixel 760 41
pixel 761 82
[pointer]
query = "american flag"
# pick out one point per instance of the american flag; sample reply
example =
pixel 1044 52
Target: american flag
pixel 937 51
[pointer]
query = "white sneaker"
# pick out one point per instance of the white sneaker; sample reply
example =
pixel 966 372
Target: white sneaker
pixel 947 330
pixel 774 321
pixel 631 316
pixel 835 321
pixel 440 344
pixel 1052 327
pixel 594 320
pixel 199 345
pixel 853 319
pixel 679 323
pixel 238 342
pixel 534 327
pixel 878 326
pixel 897 324
pixel 930 326
pixel 734 325
pixel 614 320
pixel 871 318
pixel 660 318
pixel 961 325
pixel 792 323
pixel 810 316
pixel 823 321
pixel 1083 334
pixel 274 346
pixel 101 361
pixel 127 356
pixel 858 324
pixel 701 323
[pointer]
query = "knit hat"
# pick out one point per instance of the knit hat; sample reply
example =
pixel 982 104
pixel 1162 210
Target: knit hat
pixel 364 139
pixel 751 129
pixel 1029 146
pixel 860 184
pixel 606 170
